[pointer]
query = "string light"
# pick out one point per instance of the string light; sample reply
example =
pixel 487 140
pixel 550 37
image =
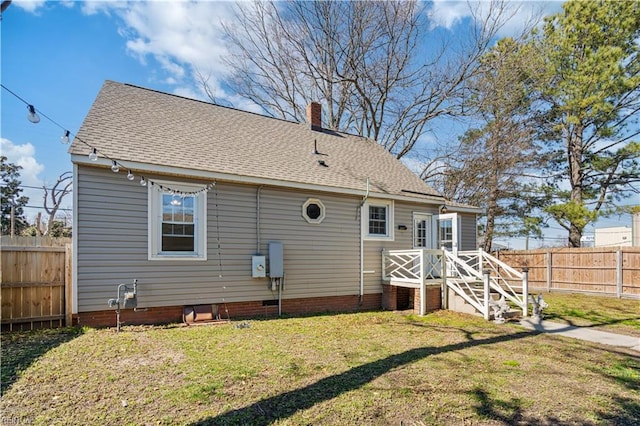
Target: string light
pixel 94 155
pixel 33 115
pixel 65 138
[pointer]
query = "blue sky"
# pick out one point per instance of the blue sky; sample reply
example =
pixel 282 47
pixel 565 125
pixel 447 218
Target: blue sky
pixel 57 54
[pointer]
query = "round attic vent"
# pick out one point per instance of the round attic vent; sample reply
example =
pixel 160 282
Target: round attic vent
pixel 313 210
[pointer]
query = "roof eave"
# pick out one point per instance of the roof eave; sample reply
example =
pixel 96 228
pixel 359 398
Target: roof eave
pixel 146 168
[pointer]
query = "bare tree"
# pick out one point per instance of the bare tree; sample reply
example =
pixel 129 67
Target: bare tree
pixel 53 198
pixel 370 63
pixel 492 158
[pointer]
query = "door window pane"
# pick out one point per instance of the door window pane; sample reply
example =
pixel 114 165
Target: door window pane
pixel 446 233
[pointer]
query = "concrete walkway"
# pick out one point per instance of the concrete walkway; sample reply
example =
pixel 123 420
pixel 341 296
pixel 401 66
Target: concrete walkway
pixel 582 333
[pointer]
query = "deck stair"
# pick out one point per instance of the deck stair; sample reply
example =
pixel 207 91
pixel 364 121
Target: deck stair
pixel 472 281
pixel 485 282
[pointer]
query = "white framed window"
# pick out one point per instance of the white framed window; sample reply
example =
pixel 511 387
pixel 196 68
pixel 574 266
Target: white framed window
pixel 313 210
pixel 377 223
pixel 177 221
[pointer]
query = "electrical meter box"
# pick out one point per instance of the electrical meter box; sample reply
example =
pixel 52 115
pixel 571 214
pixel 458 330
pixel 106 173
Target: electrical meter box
pixel 258 267
pixel 276 259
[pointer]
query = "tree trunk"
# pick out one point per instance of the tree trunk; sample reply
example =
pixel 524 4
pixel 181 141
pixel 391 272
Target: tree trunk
pixel 576 176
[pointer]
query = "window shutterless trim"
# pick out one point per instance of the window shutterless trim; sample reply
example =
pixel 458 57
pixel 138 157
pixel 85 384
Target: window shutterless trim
pixel 155 222
pixel 389 220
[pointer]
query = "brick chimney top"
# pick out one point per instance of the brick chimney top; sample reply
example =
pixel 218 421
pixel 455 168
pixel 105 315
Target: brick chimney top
pixel 314 115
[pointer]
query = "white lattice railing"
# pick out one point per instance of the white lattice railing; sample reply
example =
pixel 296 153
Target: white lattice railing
pixel 412 266
pixel 473 275
pixel 502 276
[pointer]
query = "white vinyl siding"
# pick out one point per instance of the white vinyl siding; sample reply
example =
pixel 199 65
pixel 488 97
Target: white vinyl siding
pixel 319 260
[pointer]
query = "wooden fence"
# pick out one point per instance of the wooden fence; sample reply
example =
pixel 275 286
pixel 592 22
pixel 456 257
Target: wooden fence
pixel 35 283
pixel 598 270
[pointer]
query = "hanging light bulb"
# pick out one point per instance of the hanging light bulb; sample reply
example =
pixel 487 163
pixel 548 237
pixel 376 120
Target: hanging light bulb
pixel 115 168
pixel 65 138
pixel 130 175
pixel 33 115
pixel 143 182
pixel 94 155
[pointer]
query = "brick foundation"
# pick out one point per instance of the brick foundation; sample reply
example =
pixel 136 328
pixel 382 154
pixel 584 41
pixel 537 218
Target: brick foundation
pixel 169 314
pixel 389 297
pixel 434 298
pixel 401 298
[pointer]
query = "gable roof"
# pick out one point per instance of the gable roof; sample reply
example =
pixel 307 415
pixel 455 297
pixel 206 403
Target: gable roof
pixel 149 129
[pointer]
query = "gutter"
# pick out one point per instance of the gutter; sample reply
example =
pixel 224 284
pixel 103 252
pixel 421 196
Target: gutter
pixel 139 168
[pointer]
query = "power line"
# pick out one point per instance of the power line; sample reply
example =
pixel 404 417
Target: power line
pixel 95 152
pixel 39 187
pixel 42 208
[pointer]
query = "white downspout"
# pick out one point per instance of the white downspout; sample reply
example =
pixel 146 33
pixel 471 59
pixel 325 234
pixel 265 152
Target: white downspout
pixel 364 200
pixel 74 242
pixel 258 191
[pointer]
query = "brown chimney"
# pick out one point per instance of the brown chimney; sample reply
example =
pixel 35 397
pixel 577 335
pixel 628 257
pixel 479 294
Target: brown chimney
pixel 314 115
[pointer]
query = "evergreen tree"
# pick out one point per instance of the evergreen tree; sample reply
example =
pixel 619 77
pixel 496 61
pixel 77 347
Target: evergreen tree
pixel 591 87
pixel 11 199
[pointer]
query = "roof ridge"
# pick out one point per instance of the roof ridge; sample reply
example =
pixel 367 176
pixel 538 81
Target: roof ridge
pixel 325 130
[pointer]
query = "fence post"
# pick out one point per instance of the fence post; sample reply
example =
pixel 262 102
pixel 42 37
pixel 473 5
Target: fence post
pixel 443 272
pixel 619 273
pixel 384 264
pixel 423 290
pixel 486 275
pixel 548 255
pixel 525 291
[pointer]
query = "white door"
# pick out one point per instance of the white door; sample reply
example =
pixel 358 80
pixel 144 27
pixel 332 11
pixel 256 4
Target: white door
pixel 448 232
pixel 424 238
pixel 422 233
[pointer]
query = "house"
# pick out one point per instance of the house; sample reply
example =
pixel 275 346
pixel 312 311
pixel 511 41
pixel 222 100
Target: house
pixel 209 205
pixel 613 236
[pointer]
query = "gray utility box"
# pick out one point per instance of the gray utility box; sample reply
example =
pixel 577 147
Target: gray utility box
pixel 258 267
pixel 276 259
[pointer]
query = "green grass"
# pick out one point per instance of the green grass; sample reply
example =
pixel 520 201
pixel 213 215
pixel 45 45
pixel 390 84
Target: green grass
pixel 373 368
pixel 604 313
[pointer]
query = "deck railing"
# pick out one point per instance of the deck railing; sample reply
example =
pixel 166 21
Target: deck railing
pixel 503 278
pixel 412 267
pixel 473 275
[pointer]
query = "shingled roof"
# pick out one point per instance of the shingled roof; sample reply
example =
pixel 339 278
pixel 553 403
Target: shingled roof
pixel 134 124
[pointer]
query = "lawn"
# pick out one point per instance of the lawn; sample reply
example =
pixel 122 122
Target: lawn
pixel 600 312
pixel 374 368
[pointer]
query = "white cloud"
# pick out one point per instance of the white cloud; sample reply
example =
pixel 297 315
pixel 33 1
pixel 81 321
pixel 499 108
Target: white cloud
pixel 24 156
pixel 185 38
pixel 447 14
pixel 29 5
